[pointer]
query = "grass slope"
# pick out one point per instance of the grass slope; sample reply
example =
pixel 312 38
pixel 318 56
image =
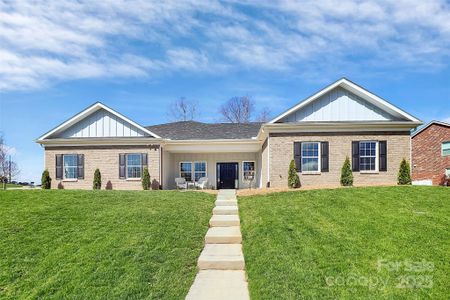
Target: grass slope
pixel 325 244
pixel 100 244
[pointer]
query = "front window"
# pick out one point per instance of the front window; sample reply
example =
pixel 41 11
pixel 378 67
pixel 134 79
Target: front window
pixel 186 170
pixel 367 156
pixel 310 157
pixel 70 166
pixel 446 149
pixel 134 165
pixel 249 170
pixel 199 170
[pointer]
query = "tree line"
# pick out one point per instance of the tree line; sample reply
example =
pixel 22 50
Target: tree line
pixel 236 110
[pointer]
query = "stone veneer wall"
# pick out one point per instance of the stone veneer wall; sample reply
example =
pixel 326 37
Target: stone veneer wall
pixel 340 145
pixel 105 158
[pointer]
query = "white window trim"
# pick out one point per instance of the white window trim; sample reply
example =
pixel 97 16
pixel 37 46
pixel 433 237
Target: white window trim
pixel 126 167
pixel 442 148
pixel 377 158
pixel 319 166
pixel 254 170
pixel 76 168
pixel 194 171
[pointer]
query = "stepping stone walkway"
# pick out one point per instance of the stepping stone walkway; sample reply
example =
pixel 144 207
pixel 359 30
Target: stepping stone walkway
pixel 221 264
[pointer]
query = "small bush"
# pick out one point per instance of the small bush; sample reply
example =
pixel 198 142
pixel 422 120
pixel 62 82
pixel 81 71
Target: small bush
pixel 346 173
pixel 97 184
pixel 46 181
pixel 293 179
pixel 404 173
pixel 109 185
pixel 146 179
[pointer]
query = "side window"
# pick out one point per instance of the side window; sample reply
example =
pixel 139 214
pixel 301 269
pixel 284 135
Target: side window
pixel 445 148
pixel 186 170
pixel 199 170
pixel 248 170
pixel 70 170
pixel 134 165
pixel 367 155
pixel 310 157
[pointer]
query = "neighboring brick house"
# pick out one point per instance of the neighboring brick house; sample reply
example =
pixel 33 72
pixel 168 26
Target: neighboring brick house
pixel 341 120
pixel 431 154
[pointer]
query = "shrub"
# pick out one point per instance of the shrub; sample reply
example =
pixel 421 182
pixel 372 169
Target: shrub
pixel 404 173
pixel 46 181
pixel 346 173
pixel 108 185
pixel 293 179
pixel 146 179
pixel 97 184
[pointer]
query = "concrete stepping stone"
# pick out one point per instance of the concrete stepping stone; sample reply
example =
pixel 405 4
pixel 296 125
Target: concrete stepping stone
pixel 219 285
pixel 225 210
pixel 224 221
pixel 221 257
pixel 223 235
pixel 226 202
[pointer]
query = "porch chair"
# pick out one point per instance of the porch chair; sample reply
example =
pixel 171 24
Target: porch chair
pixel 202 182
pixel 181 183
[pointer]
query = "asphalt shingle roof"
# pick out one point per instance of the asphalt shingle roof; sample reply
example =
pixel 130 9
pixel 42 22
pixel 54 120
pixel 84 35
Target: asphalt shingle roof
pixel 192 130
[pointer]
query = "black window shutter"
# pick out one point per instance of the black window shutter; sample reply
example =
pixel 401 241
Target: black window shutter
pixel 355 156
pixel 382 145
pixel 324 156
pixel 121 166
pixel 144 160
pixel 80 166
pixel 59 167
pixel 298 156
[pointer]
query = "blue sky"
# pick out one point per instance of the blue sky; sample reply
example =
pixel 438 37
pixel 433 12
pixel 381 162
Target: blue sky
pixel 58 57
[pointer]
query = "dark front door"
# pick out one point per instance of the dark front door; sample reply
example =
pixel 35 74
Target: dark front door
pixel 227 173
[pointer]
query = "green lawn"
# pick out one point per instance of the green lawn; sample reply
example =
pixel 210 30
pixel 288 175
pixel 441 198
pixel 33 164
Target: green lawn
pixel 328 244
pixel 11 185
pixel 100 244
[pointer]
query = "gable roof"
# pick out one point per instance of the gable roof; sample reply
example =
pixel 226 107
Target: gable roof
pixel 192 130
pixel 434 122
pixel 89 111
pixel 358 91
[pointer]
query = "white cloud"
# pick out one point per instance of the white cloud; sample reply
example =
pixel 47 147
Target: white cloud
pixel 50 41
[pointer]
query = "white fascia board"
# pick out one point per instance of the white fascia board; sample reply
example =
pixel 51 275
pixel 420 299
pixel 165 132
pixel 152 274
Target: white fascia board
pixel 356 89
pixel 338 126
pixel 132 141
pixel 88 111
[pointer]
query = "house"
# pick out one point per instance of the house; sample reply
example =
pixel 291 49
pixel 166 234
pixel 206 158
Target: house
pixel 341 120
pixel 431 154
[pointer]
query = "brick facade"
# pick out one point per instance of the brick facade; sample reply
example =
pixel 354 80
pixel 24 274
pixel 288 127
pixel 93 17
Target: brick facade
pixel 107 160
pixel 427 160
pixel 340 146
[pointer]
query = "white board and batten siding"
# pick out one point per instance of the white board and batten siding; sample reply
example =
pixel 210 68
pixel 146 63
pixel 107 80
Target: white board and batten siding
pixel 339 105
pixel 102 124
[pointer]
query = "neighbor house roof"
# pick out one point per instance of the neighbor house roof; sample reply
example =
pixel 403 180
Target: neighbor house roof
pixel 192 130
pixel 428 125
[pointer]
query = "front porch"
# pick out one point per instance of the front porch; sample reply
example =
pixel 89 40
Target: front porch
pixel 226 168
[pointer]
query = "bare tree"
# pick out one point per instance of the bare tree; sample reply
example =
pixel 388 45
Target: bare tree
pixel 182 110
pixel 8 168
pixel 238 109
pixel 264 115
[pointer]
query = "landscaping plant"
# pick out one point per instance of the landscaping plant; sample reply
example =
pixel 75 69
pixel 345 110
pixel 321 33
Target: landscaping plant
pixel 146 179
pixel 97 180
pixel 346 173
pixel 46 181
pixel 404 173
pixel 293 179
